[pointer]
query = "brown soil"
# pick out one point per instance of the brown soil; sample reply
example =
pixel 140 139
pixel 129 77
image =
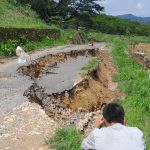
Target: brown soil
pixel 84 102
pixel 141 47
pixel 90 94
pixel 26 128
pixel 141 61
pixel 98 90
pixel 1 62
pixel 144 59
pixel 85 99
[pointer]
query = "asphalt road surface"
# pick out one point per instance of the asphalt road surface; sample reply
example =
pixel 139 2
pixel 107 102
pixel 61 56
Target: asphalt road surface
pixel 13 85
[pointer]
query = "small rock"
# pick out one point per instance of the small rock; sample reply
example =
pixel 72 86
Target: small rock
pixel 82 124
pixel 79 109
pixel 34 133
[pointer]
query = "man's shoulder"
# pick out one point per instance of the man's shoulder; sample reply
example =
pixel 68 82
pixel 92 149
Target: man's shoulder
pixel 131 130
pixel 134 130
pixel 100 131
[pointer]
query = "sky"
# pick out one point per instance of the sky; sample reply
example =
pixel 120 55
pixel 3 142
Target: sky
pixel 118 7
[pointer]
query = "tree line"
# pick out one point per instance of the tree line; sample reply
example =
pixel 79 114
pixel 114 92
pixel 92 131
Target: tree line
pixel 67 9
pixel 111 25
pixel 83 13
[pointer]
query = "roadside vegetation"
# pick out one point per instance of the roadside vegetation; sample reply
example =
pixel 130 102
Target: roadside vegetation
pixel 23 14
pixel 67 138
pixel 24 17
pixel 49 42
pixel 8 48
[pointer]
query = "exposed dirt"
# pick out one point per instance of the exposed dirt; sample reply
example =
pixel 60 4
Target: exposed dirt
pixel 96 90
pixel 141 60
pixel 141 53
pixel 27 125
pixel 1 62
pixel 85 99
pixel 26 128
pixel 142 47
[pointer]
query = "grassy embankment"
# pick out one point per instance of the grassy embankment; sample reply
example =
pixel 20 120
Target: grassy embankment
pixel 7 49
pixel 133 82
pixel 49 42
pixel 24 17
pixel 19 17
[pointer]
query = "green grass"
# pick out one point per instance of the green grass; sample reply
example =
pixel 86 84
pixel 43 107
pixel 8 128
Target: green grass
pixel 133 81
pixel 67 138
pixel 19 17
pixel 7 49
pixel 91 65
pixel 49 42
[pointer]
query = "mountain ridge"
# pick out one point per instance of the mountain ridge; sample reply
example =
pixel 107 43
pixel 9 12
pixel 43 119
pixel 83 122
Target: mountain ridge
pixel 144 20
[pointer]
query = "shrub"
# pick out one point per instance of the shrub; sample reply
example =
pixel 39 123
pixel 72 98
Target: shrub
pixel 8 48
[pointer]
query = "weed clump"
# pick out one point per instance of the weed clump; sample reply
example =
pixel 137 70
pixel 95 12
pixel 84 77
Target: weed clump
pixel 67 138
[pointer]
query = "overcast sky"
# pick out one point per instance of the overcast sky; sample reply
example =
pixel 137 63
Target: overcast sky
pixel 119 7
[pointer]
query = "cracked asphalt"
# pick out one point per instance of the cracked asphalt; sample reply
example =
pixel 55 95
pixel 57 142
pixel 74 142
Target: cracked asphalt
pixel 13 85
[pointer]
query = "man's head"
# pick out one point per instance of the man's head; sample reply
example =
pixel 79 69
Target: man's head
pixel 113 113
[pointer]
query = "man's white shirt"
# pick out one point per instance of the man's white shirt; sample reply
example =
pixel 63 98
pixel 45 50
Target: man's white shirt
pixel 115 137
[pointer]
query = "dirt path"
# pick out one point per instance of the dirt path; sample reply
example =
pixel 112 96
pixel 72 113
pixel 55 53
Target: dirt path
pixel 25 128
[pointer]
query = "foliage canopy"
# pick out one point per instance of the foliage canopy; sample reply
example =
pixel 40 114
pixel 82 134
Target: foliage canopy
pixel 67 9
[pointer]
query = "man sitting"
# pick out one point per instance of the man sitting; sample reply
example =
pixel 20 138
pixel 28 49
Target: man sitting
pixel 116 135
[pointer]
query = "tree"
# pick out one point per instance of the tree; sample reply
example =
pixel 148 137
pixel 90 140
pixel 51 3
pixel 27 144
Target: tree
pixel 72 8
pixel 67 9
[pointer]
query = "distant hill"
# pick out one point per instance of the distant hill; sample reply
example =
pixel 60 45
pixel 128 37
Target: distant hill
pixel 144 20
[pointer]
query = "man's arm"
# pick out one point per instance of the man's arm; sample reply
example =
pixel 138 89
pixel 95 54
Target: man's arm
pixel 89 142
pixel 140 138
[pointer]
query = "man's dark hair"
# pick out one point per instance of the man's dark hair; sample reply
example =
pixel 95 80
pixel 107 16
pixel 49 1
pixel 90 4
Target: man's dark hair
pixel 113 112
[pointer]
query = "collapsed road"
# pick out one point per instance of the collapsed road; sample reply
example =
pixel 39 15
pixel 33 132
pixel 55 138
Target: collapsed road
pixel 53 81
pixel 61 91
pixel 13 85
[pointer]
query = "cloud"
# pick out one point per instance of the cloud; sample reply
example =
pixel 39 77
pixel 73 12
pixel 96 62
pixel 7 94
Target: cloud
pixel 139 5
